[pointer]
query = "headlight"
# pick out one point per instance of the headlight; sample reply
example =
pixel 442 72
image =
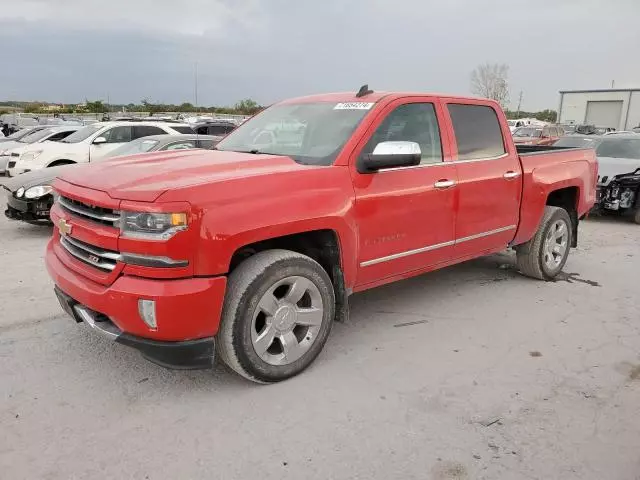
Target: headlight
pixel 39 191
pixel 30 155
pixel 152 226
pixel 20 192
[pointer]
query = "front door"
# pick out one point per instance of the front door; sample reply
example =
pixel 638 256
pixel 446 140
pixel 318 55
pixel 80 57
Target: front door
pixel 115 137
pixel 405 215
pixel 489 180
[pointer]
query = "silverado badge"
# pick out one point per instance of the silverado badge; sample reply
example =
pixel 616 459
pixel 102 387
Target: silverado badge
pixel 64 227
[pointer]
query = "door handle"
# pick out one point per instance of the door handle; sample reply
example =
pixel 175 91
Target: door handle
pixel 443 184
pixel 510 175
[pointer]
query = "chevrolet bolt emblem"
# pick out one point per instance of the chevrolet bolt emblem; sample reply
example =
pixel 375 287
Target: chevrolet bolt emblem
pixel 64 227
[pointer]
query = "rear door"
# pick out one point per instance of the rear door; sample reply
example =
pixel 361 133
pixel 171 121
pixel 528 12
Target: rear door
pixel 489 179
pixel 405 216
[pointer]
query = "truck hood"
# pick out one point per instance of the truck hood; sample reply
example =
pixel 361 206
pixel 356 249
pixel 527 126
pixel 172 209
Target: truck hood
pixel 145 177
pixel 609 167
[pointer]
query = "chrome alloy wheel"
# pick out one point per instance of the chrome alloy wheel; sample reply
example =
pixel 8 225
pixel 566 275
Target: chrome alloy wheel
pixel 287 320
pixel 556 244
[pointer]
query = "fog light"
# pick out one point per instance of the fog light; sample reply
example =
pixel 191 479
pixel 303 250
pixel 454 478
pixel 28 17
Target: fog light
pixel 147 310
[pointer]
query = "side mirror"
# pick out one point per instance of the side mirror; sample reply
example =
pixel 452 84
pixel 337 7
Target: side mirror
pixel 99 140
pixel 390 155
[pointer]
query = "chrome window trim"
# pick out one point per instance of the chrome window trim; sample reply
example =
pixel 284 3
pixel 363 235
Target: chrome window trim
pixel 454 162
pixel 429 248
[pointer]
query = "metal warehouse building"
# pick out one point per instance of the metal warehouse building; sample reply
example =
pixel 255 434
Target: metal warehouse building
pixel 616 108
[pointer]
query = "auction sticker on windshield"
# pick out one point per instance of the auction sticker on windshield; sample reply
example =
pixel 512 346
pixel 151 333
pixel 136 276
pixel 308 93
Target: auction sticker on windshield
pixel 354 106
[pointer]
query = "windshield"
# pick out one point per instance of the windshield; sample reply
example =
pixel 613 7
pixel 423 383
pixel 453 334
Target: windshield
pixel 528 132
pixel 140 145
pixel 82 134
pixel 620 148
pixel 309 133
pixel 579 142
pixel 33 137
pixel 21 133
pixel 569 128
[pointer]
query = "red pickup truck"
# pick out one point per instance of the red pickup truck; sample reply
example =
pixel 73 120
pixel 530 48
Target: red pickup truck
pixel 253 250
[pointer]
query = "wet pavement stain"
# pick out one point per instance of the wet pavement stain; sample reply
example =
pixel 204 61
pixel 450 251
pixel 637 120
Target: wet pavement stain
pixel 573 278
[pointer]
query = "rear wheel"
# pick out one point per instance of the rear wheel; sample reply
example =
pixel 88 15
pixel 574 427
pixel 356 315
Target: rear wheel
pixel 544 256
pixel 277 315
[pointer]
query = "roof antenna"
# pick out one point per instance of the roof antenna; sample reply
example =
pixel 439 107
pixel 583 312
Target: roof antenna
pixel 364 90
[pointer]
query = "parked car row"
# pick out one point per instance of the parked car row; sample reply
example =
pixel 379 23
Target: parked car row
pixel 30 195
pixel 618 159
pixel 11 149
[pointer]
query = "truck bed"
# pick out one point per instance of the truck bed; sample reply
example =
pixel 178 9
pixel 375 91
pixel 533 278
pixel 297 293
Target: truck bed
pixel 545 169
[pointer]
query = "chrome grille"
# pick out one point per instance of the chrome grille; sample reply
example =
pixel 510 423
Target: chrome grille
pixel 100 258
pixel 106 216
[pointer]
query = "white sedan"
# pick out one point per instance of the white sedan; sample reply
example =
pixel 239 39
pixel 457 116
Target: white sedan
pixel 90 143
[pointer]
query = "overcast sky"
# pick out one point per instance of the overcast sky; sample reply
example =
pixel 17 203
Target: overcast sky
pixel 69 50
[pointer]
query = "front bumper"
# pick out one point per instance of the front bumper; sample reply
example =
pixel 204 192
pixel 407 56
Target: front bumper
pixel 187 311
pixel 29 210
pixel 187 355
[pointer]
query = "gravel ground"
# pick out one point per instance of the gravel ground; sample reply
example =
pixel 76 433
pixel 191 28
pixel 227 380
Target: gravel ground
pixel 472 372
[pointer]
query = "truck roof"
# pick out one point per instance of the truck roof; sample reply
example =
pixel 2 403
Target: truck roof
pixel 373 97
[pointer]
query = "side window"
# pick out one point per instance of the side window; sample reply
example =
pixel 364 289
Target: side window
pixel 206 144
pixel 219 129
pixel 413 122
pixel 180 145
pixel 146 130
pixel 118 134
pixel 202 130
pixel 477 131
pixel 59 136
pixel 546 132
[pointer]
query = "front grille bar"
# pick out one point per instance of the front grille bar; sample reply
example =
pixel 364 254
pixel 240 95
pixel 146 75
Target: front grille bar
pixel 90 255
pixel 87 212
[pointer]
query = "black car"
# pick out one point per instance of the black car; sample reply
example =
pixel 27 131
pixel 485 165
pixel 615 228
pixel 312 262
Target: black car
pixel 30 195
pixel 218 128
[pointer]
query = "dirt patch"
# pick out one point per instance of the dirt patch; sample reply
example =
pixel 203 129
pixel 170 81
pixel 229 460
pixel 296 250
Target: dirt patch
pixel 449 471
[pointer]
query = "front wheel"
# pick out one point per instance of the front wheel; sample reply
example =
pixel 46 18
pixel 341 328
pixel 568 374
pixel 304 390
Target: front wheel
pixel 277 315
pixel 544 256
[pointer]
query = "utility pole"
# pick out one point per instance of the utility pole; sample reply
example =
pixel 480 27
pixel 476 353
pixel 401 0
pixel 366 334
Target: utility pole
pixel 519 105
pixel 613 83
pixel 196 87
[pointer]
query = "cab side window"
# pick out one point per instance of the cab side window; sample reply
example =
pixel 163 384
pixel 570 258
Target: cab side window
pixel 477 131
pixel 413 122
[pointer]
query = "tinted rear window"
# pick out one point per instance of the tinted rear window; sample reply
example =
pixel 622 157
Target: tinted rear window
pixel 477 131
pixel 182 129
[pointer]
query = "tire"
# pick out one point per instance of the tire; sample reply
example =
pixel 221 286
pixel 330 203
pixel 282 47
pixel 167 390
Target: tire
pixel 636 216
pixel 533 256
pixel 260 310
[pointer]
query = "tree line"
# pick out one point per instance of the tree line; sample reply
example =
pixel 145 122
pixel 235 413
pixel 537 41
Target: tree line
pixel 243 107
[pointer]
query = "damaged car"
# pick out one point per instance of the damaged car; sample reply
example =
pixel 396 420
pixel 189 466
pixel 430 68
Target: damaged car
pixel 619 175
